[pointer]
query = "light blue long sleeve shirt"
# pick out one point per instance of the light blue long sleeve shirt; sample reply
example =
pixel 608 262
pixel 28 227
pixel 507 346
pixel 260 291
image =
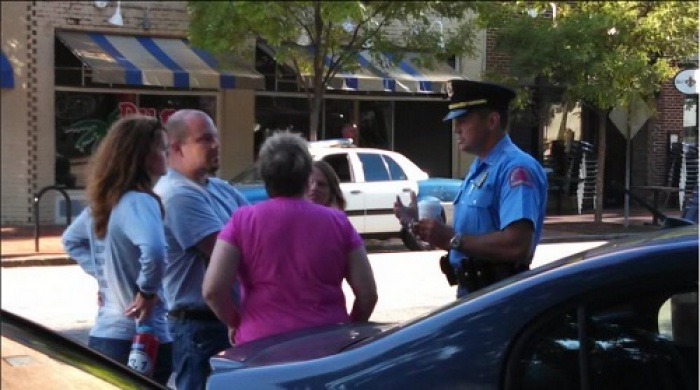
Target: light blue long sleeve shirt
pixel 130 257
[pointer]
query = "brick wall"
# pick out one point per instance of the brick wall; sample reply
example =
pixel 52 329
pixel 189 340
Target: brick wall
pixel 166 18
pixel 496 62
pixel 28 134
pixel 668 120
pixel 16 185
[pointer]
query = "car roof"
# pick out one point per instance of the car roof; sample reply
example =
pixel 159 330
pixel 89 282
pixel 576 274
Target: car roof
pixel 582 273
pixel 60 360
pixel 340 144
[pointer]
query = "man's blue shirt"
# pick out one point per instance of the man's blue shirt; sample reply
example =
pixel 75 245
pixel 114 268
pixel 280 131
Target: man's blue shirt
pixel 192 212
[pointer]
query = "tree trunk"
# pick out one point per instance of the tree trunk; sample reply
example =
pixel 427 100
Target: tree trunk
pixel 561 134
pixel 314 114
pixel 600 174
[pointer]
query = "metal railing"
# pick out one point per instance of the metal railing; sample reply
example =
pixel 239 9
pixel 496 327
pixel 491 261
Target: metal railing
pixel 37 198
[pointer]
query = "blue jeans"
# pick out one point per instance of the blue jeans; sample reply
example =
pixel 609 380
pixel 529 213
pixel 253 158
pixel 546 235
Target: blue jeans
pixel 194 342
pixel 119 350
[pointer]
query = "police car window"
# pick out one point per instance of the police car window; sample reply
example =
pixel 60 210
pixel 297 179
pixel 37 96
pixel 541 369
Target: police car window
pixel 394 169
pixel 340 164
pixel 627 346
pixel 374 167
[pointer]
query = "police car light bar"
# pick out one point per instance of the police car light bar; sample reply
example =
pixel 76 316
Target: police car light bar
pixel 332 143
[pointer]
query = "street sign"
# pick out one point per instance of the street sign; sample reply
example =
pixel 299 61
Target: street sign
pixel 629 120
pixel 686 81
pixel 639 114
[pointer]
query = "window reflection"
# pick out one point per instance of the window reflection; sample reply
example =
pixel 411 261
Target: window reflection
pixel 649 342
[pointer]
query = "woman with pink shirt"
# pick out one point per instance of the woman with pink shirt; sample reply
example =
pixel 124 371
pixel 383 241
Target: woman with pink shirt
pixel 289 254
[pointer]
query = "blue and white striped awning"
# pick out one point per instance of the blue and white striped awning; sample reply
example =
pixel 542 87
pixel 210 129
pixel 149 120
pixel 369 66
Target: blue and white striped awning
pixel 380 74
pixel 7 77
pixel 162 62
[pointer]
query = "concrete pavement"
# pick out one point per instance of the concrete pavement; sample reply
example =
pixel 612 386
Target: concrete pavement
pixel 17 246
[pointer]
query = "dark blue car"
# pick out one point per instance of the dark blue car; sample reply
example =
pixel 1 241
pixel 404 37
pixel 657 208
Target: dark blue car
pixel 621 316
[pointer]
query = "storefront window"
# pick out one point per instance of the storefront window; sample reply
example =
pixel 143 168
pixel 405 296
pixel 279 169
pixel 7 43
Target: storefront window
pixel 374 121
pixel 563 126
pixel 337 113
pixel 83 118
pixel 278 113
pixel 376 124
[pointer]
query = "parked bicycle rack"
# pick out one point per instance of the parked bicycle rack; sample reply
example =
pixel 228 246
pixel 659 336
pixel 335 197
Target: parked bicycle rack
pixel 37 198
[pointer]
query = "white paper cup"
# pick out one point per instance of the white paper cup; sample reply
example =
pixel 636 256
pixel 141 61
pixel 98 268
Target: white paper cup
pixel 430 208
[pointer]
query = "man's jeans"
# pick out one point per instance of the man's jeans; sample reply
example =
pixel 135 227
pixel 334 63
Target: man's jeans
pixel 194 342
pixel 119 350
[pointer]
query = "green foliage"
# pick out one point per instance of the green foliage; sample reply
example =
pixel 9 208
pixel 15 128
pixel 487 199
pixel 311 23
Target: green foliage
pixel 600 52
pixel 338 29
pixel 321 38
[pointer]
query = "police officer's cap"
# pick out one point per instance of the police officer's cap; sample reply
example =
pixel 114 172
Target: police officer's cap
pixel 467 95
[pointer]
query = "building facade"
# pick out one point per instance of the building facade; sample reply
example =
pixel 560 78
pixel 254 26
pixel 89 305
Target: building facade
pixel 66 90
pixel 79 65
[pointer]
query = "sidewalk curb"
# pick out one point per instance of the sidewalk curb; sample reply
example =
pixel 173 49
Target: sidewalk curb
pixel 38 261
pixel 587 238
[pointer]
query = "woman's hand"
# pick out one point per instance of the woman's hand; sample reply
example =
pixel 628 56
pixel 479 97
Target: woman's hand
pixel 141 307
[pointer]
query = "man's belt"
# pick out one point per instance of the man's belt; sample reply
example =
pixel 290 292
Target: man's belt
pixel 193 314
pixel 473 274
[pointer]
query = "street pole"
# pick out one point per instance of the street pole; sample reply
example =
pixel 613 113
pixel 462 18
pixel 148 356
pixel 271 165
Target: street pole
pixel 628 159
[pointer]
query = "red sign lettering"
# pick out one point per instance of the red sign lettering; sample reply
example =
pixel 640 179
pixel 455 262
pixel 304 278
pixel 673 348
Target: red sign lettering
pixel 129 108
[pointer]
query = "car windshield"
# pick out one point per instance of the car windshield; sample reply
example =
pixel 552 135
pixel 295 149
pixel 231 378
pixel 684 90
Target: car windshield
pixel 250 175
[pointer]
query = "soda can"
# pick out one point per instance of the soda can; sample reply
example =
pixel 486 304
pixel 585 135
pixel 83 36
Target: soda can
pixel 144 350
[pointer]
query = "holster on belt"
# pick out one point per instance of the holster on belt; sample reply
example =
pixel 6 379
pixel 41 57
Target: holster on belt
pixel 448 270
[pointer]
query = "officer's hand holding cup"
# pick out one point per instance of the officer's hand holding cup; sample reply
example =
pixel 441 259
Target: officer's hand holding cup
pixel 429 215
pixel 429 208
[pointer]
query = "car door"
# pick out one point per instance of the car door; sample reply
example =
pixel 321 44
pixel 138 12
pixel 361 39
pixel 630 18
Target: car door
pixel 383 180
pixel 347 171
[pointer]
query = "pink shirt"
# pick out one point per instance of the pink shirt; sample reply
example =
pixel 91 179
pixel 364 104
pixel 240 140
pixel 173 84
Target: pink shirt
pixel 293 261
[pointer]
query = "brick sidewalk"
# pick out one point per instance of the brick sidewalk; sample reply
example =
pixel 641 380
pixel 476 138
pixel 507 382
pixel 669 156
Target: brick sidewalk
pixel 18 243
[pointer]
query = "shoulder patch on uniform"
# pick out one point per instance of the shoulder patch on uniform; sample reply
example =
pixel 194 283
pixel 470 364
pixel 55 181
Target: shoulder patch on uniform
pixel 519 176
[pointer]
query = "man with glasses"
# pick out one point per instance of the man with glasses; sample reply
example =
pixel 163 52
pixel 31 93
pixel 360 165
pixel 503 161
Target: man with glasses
pixel 196 207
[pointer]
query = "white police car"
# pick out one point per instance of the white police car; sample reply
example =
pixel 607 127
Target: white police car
pixel 370 180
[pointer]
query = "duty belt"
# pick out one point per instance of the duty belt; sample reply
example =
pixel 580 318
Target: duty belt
pixel 474 274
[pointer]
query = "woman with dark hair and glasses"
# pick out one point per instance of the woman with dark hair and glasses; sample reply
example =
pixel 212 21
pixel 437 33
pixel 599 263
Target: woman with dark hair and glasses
pixel 119 239
pixel 324 186
pixel 290 270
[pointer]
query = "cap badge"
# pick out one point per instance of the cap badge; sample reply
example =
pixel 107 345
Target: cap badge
pixel 448 88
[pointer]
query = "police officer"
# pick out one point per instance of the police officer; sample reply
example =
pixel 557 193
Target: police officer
pixel 499 210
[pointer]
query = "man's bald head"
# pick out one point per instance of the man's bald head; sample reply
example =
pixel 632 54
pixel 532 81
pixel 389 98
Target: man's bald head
pixel 181 121
pixel 194 144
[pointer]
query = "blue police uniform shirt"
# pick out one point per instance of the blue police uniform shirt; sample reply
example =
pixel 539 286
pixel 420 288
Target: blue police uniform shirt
pixel 506 186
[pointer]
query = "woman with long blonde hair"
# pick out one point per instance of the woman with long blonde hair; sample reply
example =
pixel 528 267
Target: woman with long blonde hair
pixel 123 233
